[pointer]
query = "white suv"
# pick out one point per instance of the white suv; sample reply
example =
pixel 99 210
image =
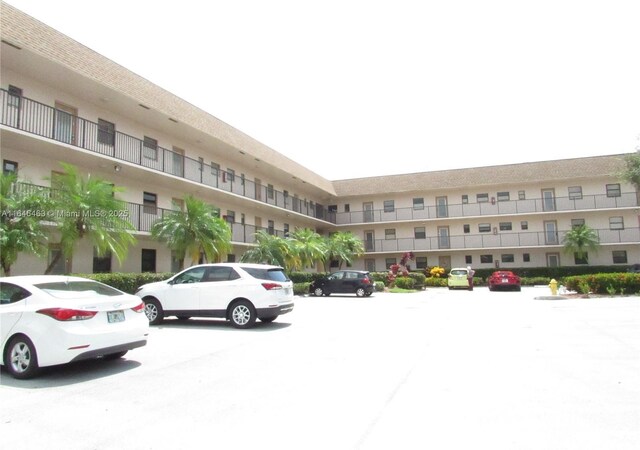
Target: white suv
pixel 237 292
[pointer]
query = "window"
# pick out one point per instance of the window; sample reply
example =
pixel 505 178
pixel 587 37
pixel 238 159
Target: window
pixel 482 198
pixel 486 259
pixel 507 258
pixel 230 217
pixel 524 225
pixel 421 262
pixel 468 259
pixel 521 195
pixel 613 190
pixel 10 293
pixel 150 203
pixel 271 227
pixel 465 199
pixel 9 167
pixel 101 264
pixel 270 191
pixel 418 203
pixel 390 233
pixel 575 223
pixel 150 148
pixel 389 262
pixel 347 208
pixel 575 192
pixel 526 257
pixel 286 230
pixel 420 233
pixel 581 259
pixel 215 169
pixel 619 256
pixel 466 228
pixel 231 175
pixel 503 196
pixel 616 223
pixel 484 228
pixel 106 133
pixel 389 206
pixel 505 226
pixel 148 260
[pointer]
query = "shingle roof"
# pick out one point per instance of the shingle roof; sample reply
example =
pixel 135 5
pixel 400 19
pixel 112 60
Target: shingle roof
pixel 24 31
pixel 533 172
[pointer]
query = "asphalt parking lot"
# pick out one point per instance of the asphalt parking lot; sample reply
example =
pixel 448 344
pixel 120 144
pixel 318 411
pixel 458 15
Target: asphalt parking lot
pixel 438 369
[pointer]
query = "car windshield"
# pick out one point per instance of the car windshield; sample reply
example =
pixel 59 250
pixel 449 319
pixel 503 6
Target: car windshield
pixel 75 289
pixel 275 274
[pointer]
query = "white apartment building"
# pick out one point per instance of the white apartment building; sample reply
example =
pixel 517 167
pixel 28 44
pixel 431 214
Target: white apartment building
pixel 61 101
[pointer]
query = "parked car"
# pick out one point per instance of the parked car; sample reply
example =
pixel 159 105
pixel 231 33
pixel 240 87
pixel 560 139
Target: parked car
pixel 459 279
pixel 47 320
pixel 503 279
pixel 240 293
pixel 357 282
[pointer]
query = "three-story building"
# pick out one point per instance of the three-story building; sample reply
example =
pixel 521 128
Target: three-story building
pixel 62 102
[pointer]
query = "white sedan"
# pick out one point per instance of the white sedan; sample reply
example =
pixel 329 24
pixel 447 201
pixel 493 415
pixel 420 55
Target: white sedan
pixel 47 320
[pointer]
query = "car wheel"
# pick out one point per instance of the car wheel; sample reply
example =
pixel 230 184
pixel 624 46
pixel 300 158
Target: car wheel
pixel 20 358
pixel 318 292
pixel 112 356
pixel 268 319
pixel 242 314
pixel 360 292
pixel 153 310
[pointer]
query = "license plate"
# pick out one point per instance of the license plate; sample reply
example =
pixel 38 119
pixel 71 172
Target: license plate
pixel 504 280
pixel 115 316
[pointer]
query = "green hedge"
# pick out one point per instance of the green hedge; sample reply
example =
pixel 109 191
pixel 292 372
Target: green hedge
pixel 604 283
pixel 126 282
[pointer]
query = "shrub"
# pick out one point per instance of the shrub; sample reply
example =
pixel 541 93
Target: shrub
pixel 301 288
pixel 603 283
pixel 126 282
pixel 405 283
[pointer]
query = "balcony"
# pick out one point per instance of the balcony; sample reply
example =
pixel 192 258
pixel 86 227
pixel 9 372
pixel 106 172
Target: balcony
pixel 42 120
pixel 511 207
pixel 501 240
pixel 142 217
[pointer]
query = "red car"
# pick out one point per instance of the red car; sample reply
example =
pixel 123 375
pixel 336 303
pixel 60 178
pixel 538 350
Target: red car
pixel 503 279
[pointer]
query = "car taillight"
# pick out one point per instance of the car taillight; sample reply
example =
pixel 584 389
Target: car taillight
pixel 139 308
pixel 271 286
pixel 366 281
pixel 66 314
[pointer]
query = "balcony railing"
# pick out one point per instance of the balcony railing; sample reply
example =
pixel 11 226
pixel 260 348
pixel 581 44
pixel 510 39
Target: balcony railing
pixel 500 240
pixel 625 200
pixel 42 120
pixel 142 217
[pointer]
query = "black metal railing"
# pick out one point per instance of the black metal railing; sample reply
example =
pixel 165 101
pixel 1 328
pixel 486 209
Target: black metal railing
pixel 142 217
pixel 499 240
pixel 42 120
pixel 537 205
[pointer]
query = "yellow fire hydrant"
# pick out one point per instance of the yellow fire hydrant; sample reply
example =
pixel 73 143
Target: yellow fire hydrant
pixel 553 285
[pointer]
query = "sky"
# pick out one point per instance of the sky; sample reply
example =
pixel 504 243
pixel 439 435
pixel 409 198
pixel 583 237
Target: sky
pixel 353 88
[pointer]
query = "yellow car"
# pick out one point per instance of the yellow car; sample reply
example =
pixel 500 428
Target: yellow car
pixel 459 279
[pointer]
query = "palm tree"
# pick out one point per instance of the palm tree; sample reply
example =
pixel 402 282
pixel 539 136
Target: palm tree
pixel 272 249
pixel 344 247
pixel 88 209
pixel 579 240
pixel 193 232
pixel 631 172
pixel 21 228
pixel 309 246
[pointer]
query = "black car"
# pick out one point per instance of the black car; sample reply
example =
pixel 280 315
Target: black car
pixel 357 282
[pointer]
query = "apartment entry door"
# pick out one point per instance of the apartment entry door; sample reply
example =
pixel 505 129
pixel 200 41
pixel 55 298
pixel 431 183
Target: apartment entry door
pixel 66 123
